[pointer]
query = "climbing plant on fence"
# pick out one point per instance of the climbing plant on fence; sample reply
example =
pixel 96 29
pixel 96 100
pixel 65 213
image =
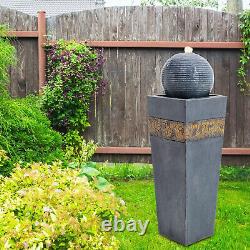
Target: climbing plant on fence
pixel 245 52
pixel 73 76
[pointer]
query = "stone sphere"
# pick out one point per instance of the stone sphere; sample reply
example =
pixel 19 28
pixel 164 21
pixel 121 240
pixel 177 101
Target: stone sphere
pixel 187 75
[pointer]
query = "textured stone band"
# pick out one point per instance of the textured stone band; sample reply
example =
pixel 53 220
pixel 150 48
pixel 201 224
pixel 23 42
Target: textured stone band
pixel 179 131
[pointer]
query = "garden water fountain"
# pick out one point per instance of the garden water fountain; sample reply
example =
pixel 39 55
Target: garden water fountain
pixel 186 132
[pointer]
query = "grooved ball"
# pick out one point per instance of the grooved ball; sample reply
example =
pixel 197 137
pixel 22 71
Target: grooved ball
pixel 187 75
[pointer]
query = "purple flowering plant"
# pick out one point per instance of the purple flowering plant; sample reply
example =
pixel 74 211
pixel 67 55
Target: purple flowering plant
pixel 74 74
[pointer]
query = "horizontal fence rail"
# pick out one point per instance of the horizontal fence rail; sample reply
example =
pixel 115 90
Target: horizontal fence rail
pixel 147 151
pixel 24 34
pixel 165 44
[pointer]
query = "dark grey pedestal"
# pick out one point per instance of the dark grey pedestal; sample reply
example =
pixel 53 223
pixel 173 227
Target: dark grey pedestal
pixel 186 139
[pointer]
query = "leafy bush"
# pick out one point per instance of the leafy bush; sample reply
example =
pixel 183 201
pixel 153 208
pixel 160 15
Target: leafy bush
pixel 48 207
pixel 77 150
pixel 7 58
pixel 25 132
pixel 73 76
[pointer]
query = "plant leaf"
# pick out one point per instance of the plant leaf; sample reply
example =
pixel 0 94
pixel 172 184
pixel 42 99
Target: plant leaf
pixel 88 171
pixel 102 183
pixel 89 164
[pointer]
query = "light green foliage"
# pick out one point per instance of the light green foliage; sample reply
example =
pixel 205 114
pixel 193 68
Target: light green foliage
pixel 232 228
pixel 184 3
pixel 245 52
pixel 25 132
pixel 77 150
pixel 89 170
pixel 47 207
pixel 7 58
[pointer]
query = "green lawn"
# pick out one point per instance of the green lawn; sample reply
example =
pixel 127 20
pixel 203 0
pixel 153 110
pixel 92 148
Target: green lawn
pixel 232 222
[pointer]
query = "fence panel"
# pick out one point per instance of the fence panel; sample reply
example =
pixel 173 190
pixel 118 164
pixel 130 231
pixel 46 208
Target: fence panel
pixel 119 118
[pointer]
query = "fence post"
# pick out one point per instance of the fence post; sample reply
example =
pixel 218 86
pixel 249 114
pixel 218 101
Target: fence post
pixel 41 50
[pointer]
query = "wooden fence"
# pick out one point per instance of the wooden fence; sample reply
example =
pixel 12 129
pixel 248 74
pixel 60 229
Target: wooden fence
pixel 137 41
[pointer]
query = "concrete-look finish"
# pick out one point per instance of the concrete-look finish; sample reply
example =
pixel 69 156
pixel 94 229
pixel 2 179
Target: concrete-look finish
pixel 187 110
pixel 186 173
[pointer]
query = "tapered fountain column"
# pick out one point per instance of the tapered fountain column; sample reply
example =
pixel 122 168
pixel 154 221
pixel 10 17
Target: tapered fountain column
pixel 186 128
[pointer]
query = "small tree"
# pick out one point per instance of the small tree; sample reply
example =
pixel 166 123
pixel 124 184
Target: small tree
pixel 184 3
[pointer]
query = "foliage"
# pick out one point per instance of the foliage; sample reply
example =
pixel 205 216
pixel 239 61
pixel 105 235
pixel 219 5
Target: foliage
pixel 184 3
pixel 140 171
pixel 232 218
pixel 125 171
pixel 47 207
pixel 229 173
pixel 89 170
pixel 77 150
pixel 245 52
pixel 7 58
pixel 74 75
pixel 5 163
pixel 25 132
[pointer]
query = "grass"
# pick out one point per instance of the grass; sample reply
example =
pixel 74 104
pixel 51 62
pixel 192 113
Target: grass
pixel 232 221
pixel 134 183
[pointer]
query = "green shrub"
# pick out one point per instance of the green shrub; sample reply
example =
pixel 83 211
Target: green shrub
pixel 25 132
pixel 73 76
pixel 125 171
pixel 47 207
pixel 235 173
pixel 7 58
pixel 77 150
pixel 5 163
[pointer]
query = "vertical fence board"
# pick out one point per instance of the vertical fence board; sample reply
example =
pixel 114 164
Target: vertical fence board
pixel 118 96
pixel 166 24
pixel 203 25
pixel 181 24
pixel 234 64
